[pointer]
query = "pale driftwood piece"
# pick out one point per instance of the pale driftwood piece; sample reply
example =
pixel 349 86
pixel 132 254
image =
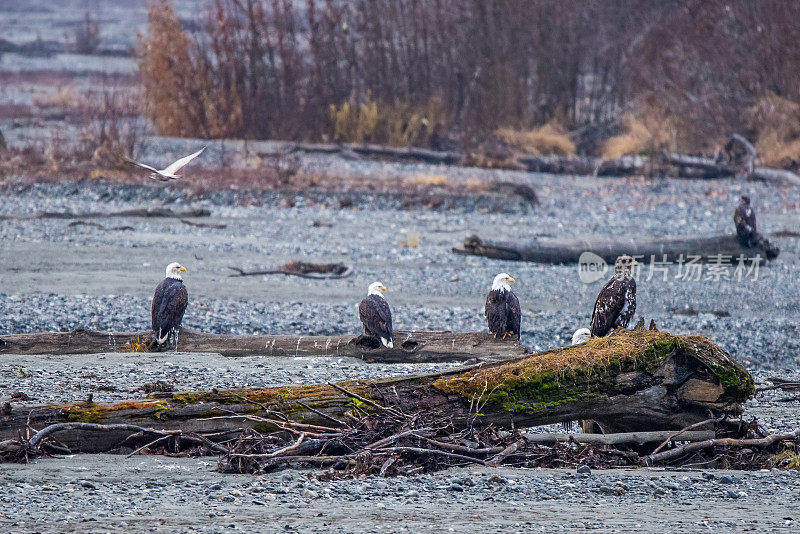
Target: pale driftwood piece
pixel 638 438
pixel 342 271
pixel 721 442
pixel 776 176
pixel 409 347
pixel 660 382
pixel 552 164
pixel 139 212
pixel 708 166
pixel 547 250
pixel 382 151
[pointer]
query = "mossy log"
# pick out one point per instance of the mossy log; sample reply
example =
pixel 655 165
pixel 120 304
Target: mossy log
pixel 632 381
pixel 409 347
pixel 547 250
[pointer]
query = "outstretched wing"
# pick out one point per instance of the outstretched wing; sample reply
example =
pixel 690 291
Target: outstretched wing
pixel 142 165
pixel 607 307
pixel 174 167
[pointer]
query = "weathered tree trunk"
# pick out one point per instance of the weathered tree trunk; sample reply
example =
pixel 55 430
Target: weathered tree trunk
pixel 629 382
pixel 569 251
pixel 409 347
pixel 137 212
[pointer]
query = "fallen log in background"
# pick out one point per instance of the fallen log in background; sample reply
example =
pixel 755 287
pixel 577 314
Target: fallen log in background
pixel 136 212
pixel 630 382
pixel 409 347
pixel 548 250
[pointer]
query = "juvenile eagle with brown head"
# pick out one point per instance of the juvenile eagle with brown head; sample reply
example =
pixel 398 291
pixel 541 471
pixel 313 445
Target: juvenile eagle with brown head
pixel 745 220
pixel 375 315
pixel 616 303
pixel 502 308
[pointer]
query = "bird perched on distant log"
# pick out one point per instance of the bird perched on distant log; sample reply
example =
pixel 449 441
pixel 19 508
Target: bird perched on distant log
pixel 616 302
pixel 376 316
pixel 169 304
pixel 502 308
pixel 581 335
pixel 168 173
pixel 745 219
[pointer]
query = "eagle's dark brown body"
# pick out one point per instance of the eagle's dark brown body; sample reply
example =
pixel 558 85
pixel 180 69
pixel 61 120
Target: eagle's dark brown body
pixel 745 220
pixel 616 303
pixel 503 313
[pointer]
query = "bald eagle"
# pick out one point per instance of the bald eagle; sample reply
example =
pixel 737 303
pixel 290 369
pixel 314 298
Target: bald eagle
pixel 616 302
pixel 745 220
pixel 169 304
pixel 581 335
pixel 376 316
pixel 502 308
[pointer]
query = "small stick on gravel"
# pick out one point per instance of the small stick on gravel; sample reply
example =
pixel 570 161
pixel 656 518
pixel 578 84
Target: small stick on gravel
pixel 720 442
pixel 162 438
pixel 203 225
pixel 495 461
pixel 686 429
pixel 276 453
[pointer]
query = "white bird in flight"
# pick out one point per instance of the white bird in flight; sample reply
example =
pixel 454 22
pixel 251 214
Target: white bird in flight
pixel 167 174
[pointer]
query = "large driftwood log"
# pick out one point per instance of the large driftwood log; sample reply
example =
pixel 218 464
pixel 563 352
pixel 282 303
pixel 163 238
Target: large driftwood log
pixel 137 212
pixel 629 382
pixel 409 347
pixel 547 250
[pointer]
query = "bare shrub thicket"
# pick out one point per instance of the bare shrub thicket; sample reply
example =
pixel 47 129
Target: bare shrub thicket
pixel 670 74
pixel 86 38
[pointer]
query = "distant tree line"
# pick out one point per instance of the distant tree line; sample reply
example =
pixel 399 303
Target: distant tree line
pixel 419 71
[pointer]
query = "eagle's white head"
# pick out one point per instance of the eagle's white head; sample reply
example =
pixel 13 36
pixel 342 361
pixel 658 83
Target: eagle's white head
pixel 174 270
pixel 376 288
pixel 581 335
pixel 624 264
pixel 501 282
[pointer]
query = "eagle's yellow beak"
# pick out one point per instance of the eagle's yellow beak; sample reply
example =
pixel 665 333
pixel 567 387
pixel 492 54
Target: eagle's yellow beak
pixel 511 279
pixel 182 269
pixel 383 288
pixel 635 262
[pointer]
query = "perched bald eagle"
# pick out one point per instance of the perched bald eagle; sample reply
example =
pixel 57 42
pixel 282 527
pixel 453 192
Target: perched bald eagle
pixel 581 335
pixel 169 304
pixel 376 316
pixel 502 308
pixel 616 302
pixel 745 220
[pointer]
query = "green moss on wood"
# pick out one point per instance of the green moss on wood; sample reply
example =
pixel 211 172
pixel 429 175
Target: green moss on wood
pixel 573 374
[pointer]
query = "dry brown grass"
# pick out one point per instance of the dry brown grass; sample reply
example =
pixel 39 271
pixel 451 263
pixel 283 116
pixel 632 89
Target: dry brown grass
pixel 412 241
pixel 134 345
pixel 647 131
pixel 550 138
pixel 776 121
pixel 398 125
pixel 430 179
